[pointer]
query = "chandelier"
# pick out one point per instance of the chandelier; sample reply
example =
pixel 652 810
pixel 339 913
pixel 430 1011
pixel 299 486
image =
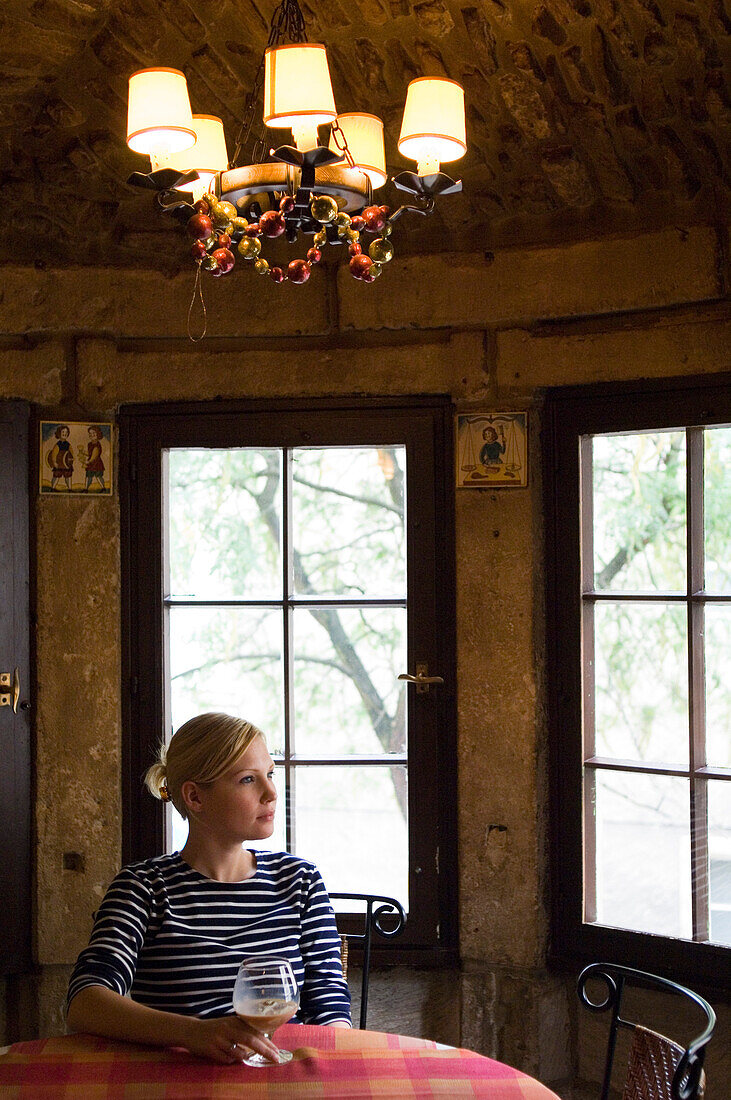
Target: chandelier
pixel 306 190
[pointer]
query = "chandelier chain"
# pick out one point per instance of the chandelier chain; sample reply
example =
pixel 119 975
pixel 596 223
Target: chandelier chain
pixel 287 25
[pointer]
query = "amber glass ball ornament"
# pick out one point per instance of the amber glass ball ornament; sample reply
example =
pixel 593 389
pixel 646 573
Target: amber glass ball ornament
pixel 381 251
pixel 324 209
pixel 249 248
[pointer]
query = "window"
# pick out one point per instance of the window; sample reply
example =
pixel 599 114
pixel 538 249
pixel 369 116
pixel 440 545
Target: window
pixel 639 601
pixel 288 565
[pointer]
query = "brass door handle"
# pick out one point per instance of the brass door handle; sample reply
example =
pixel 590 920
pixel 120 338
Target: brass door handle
pixel 422 678
pixel 10 689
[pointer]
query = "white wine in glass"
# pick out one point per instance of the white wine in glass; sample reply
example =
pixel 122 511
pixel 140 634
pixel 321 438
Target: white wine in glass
pixel 266 996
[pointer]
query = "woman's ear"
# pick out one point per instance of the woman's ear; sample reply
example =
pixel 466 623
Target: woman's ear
pixel 191 796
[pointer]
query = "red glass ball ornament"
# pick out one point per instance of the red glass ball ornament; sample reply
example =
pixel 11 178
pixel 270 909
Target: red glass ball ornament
pixel 360 266
pixel 272 223
pixel 354 249
pixel 374 219
pixel 198 250
pixel 286 204
pixel 223 240
pixel 225 260
pixel 314 256
pixel 357 223
pixel 298 271
pixel 385 210
pixel 253 230
pixel 277 274
pixel 202 207
pixel 199 227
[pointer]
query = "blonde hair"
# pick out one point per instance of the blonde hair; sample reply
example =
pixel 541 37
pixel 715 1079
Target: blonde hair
pixel 201 750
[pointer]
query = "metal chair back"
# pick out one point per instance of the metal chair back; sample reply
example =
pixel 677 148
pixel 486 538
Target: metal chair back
pixel 658 1068
pixel 378 909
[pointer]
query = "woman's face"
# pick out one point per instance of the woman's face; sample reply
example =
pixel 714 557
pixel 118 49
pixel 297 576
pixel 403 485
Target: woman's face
pixel 240 804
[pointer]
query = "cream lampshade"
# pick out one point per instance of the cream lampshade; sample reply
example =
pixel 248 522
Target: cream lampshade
pixel 364 135
pixel 433 126
pixel 297 91
pixel 158 114
pixel 207 157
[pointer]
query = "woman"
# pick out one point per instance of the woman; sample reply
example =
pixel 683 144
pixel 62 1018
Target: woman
pixel 172 930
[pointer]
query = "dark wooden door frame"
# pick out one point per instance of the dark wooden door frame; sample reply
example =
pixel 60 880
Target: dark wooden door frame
pixel 144 432
pixel 15 727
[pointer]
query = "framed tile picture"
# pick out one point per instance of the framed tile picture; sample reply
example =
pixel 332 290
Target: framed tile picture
pixel 75 458
pixel 492 450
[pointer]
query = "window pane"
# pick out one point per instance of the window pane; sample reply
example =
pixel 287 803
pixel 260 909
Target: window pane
pixel 643 853
pixel 717 509
pixel 225 510
pixel 639 512
pixel 228 659
pixel 719 858
pixel 347 817
pixel 348 521
pixel 641 682
pixel 718 684
pixel 347 695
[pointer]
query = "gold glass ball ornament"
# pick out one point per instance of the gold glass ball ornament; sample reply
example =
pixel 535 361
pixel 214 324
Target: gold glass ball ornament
pixel 209 264
pixel 320 238
pixel 381 251
pixel 261 267
pixel 239 224
pixel 222 213
pixel 249 248
pixel 323 209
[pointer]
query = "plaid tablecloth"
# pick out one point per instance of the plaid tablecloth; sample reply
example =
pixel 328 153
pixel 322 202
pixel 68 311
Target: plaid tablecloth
pixel 328 1062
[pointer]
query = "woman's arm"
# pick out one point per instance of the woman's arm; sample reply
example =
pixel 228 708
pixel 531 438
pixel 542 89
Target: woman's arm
pixel 101 1011
pixel 325 998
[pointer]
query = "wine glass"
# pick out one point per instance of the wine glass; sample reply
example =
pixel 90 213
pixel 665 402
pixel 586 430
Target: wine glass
pixel 266 996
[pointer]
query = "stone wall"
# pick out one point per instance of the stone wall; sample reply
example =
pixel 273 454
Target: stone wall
pixel 490 331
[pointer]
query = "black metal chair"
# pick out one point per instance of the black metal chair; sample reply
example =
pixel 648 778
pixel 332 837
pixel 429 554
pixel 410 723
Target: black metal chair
pixel 657 1067
pixel 389 911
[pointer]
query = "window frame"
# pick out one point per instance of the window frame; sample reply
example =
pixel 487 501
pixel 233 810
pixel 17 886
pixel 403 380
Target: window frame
pixel 571 413
pixel 146 431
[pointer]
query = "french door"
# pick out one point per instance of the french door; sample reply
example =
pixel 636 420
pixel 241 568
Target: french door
pixel 289 564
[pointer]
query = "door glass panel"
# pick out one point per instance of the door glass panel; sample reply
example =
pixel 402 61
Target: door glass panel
pixel 639 512
pixel 717 649
pixel 643 853
pixel 641 688
pixel 347 695
pixel 228 659
pixel 348 522
pixel 717 509
pixel 347 818
pixel 719 860
pixel 225 520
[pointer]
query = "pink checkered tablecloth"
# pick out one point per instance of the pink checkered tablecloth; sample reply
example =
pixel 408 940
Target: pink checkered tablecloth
pixel 328 1062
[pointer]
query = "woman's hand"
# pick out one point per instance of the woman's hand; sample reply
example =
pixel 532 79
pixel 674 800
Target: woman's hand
pixel 226 1039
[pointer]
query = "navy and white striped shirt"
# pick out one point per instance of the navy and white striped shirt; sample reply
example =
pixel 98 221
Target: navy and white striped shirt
pixel 173 939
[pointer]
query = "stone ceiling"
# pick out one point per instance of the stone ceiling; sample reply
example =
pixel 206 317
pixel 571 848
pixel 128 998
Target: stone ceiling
pixel 584 117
